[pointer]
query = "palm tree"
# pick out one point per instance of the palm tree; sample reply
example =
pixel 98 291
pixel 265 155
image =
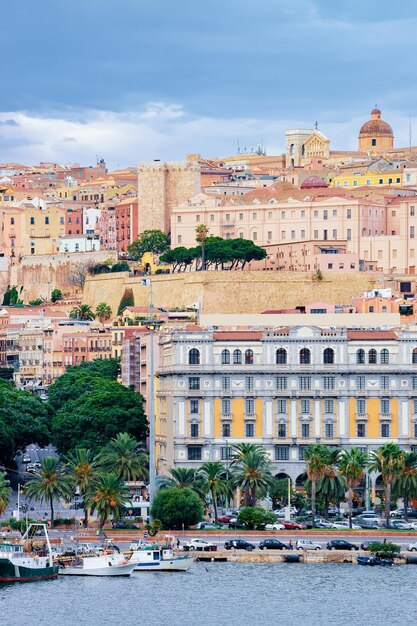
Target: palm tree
pixel 124 457
pixel 317 458
pixel 352 465
pixel 103 312
pixel 387 460
pixel 50 483
pixel 181 477
pixel 214 479
pixel 405 485
pixel 82 312
pixel 202 232
pixel 82 466
pixel 5 492
pixel 110 496
pixel 251 471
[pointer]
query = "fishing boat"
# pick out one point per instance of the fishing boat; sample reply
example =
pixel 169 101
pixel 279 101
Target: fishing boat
pixel 29 558
pixel 104 565
pixel 159 559
pixel 373 560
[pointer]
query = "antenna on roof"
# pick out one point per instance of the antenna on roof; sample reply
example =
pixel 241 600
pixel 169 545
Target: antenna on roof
pixel 238 146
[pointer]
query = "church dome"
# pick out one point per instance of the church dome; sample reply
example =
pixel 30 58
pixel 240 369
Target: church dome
pixel 375 126
pixel 313 182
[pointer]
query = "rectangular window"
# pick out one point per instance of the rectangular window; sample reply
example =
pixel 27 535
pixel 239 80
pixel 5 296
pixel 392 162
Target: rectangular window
pixel 305 382
pixel 283 215
pixel 361 430
pixel 334 233
pixel 270 215
pixel 194 383
pixel 316 234
pixel 414 382
pixel 305 407
pixel 227 217
pixel 194 453
pixel 303 234
pixel 255 236
pixel 226 406
pixel 283 234
pixel 348 234
pixel 384 382
pixel 249 383
pixel 415 430
pixel 226 429
pixel 226 453
pixel 305 431
pixel 329 406
pixel 282 406
pixel 46 219
pixel 293 234
pixel 179 238
pixel 411 232
pixel 194 430
pixel 197 218
pixel 249 406
pixel 316 213
pixel 254 216
pixel 328 382
pixel 240 216
pixel 385 407
pixel 32 220
pixel 179 219
pixel 361 406
pixel 349 214
pixel 281 382
pixel 269 235
pixel 302 452
pixel 282 453
pixel 249 430
pixel 415 406
pixel 226 383
pixel 360 382
pixel 282 430
pixel 412 211
pixel 194 406
pixel 329 430
pixel 325 214
pixel 384 430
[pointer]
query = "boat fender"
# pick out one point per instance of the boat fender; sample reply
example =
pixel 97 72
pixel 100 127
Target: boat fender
pixel 110 564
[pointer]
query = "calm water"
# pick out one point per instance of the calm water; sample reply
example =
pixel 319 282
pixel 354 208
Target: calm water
pixel 222 594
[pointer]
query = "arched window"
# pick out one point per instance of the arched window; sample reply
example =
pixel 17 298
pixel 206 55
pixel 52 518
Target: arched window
pixel 249 357
pixel 237 357
pixel 328 356
pixel 384 356
pixel 305 358
pixel 225 357
pixel 372 357
pixel 414 361
pixel 281 356
pixel 360 356
pixel 194 357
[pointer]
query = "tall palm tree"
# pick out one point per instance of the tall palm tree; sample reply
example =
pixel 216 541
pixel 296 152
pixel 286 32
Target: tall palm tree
pixel 202 231
pixel 387 460
pixel 83 469
pixel 123 457
pixel 181 477
pixel 109 497
pixel 5 492
pixel 103 312
pixel 240 451
pixel 352 465
pixel 82 312
pixel 214 479
pixel 317 463
pixel 251 472
pixel 405 484
pixel 50 483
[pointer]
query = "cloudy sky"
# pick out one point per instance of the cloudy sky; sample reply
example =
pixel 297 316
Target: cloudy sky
pixel 132 80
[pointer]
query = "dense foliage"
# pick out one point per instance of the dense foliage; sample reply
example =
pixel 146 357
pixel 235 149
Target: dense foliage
pixel 127 299
pixel 177 507
pixel 90 407
pixel 255 517
pixel 154 241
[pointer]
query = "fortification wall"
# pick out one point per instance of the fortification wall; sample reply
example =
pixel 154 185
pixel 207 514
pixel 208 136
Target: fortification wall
pixel 229 292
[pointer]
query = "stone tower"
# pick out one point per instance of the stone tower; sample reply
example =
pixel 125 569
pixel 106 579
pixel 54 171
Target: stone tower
pixel 294 146
pixel 162 185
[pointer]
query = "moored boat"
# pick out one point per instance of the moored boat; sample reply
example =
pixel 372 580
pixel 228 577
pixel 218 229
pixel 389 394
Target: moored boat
pixel 28 559
pixel 104 565
pixel 160 559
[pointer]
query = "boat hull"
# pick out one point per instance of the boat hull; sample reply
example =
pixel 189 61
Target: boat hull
pixel 15 573
pixel 172 565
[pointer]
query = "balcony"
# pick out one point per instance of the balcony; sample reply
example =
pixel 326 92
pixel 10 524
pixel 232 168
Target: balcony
pixel 361 417
pixel 385 417
pixel 250 417
pixel 226 417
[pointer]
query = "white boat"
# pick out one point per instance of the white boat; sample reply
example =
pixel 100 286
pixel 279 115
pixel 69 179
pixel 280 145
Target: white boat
pixel 159 559
pixel 103 565
pixel 28 559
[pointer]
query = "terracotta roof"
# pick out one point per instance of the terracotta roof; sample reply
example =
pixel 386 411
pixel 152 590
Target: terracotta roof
pixel 245 335
pixel 372 335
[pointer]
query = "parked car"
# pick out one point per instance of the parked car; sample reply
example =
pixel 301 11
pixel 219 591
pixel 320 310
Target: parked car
pixel 26 458
pixel 225 519
pixel 341 544
pixel 87 548
pixel 200 544
pixel 207 526
pixel 281 512
pixel 234 523
pixel 400 524
pixel 307 544
pixel 368 523
pixel 412 546
pixel 400 512
pixel 323 523
pixel 273 544
pixel 31 468
pixel 345 525
pixel 293 525
pixel 365 544
pixel 276 526
pixel 239 544
pixel 123 525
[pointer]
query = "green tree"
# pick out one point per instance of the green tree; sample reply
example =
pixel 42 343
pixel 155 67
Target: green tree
pixel 317 461
pixel 11 296
pixel 387 460
pixel 122 266
pixel 201 232
pixel 255 517
pixel 214 480
pixel 179 258
pixel 83 470
pixel 109 498
pixel 177 507
pixel 50 483
pixel 127 299
pixel 5 492
pixel 405 484
pixel 82 312
pixel 181 477
pixel 124 457
pixel 154 241
pixel 36 302
pixel 56 295
pixel 251 470
pixel 103 312
pixel 352 465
